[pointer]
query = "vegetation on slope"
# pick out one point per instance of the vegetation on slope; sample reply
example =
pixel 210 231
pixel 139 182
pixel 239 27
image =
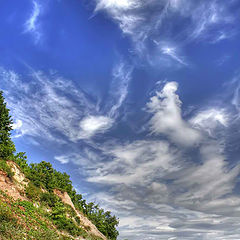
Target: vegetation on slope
pixel 43 180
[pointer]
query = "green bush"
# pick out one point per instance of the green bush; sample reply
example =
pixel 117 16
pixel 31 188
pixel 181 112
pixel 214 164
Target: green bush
pixel 50 198
pixel 33 192
pixel 4 167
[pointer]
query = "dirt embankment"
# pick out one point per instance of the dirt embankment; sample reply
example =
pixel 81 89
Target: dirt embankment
pixel 13 187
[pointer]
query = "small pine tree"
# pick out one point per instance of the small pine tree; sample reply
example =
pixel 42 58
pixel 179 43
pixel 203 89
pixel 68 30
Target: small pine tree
pixel 7 147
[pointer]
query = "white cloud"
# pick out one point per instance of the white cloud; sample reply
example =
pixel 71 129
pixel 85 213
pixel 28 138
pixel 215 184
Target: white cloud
pixel 137 162
pixel 116 4
pixel 166 109
pixel 91 125
pixel 117 10
pixel 17 125
pixel 209 119
pixel 62 159
pixel 31 25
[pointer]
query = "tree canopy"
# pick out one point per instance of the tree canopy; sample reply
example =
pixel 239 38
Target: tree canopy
pixel 7 147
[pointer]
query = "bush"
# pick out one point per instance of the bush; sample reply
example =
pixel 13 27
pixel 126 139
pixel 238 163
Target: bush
pixel 33 192
pixel 4 167
pixel 50 198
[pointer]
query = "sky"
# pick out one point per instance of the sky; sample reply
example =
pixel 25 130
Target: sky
pixel 138 101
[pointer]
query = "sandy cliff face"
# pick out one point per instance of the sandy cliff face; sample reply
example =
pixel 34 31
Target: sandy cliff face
pixel 18 177
pixel 10 188
pixel 84 220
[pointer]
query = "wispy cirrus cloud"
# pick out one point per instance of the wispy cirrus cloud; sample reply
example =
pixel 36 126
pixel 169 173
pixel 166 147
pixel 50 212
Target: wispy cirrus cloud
pixel 122 75
pixel 149 22
pixel 50 106
pixel 32 25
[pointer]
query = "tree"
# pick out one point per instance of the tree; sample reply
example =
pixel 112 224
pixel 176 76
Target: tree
pixel 7 147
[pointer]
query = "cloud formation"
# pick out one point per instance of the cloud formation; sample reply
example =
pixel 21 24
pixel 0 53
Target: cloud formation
pixel 167 189
pixel 166 109
pixel 148 23
pixel 209 119
pixel 50 106
pixel 119 87
pixel 91 125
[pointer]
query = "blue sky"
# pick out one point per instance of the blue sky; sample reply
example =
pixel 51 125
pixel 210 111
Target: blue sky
pixel 139 101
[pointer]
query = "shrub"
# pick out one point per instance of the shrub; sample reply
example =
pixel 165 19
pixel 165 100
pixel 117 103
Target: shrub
pixel 4 167
pixel 50 198
pixel 33 192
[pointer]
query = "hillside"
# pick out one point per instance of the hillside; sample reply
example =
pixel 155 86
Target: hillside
pixel 35 219
pixel 38 202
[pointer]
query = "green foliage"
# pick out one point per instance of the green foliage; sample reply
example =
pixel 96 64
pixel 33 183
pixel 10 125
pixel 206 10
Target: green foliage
pixel 63 222
pixel 21 159
pixel 5 213
pixel 7 147
pixel 33 192
pixel 4 167
pixel 29 209
pixel 49 198
pixel 105 222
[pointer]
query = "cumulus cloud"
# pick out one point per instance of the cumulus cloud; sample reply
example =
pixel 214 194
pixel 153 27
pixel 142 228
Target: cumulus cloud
pixel 31 25
pixel 91 125
pixel 166 109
